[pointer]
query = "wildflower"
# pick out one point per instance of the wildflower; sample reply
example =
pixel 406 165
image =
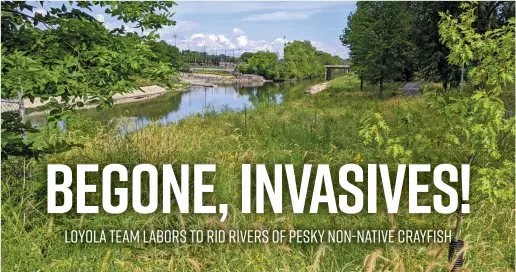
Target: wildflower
pixel 358 159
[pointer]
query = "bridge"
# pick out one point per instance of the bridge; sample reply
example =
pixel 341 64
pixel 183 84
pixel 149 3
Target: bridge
pixel 330 68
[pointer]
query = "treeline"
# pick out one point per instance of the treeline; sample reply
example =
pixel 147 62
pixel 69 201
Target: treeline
pixel 301 61
pixel 182 59
pixel 391 40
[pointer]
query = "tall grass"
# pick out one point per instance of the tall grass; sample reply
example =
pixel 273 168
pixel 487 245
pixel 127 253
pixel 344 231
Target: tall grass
pixel 351 83
pixel 305 129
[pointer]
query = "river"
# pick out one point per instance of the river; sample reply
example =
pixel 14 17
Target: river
pixel 174 106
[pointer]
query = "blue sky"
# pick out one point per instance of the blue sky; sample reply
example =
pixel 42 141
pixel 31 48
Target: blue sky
pixel 252 25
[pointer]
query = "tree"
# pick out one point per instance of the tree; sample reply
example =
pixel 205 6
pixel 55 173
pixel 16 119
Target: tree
pixel 430 58
pixel 327 59
pixel 301 61
pixel 246 56
pixel 493 14
pixel 491 52
pixel 378 36
pixel 264 64
pixel 67 53
pixel 166 53
pixel 470 130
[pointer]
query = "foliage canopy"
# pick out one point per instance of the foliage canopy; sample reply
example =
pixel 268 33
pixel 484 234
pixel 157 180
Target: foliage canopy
pixel 66 53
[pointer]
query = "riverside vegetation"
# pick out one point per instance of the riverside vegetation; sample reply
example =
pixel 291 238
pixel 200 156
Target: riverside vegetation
pixel 329 127
pixel 344 124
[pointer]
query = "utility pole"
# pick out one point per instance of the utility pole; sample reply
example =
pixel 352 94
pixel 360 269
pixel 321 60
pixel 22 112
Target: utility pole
pixel 284 41
pixel 175 40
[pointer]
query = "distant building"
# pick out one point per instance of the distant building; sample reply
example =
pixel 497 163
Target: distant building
pixel 227 65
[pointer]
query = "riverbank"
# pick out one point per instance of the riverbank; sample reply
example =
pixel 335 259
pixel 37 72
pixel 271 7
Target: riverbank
pixel 316 129
pixel 147 92
pixel 38 106
pixel 317 88
pixel 198 78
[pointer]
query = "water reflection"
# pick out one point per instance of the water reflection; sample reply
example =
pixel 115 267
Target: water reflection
pixel 172 107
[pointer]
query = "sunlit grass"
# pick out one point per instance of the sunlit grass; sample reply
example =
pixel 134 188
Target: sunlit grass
pixel 305 129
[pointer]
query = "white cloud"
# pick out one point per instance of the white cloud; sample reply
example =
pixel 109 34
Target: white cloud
pixel 213 37
pixel 279 16
pixel 223 40
pixel 242 41
pixel 211 41
pixel 237 31
pixel 197 36
pixel 99 17
pixel 236 44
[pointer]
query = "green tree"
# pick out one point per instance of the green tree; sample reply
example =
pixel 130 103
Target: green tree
pixel 301 61
pixel 431 55
pixel 491 53
pixel 378 36
pixel 166 53
pixel 493 14
pixel 470 130
pixel 327 59
pixel 67 53
pixel 264 64
pixel 246 56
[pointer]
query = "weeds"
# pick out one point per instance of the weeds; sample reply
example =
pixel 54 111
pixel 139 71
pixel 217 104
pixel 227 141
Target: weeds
pixel 305 129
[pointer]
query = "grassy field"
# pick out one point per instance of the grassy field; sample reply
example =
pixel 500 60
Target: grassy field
pixel 304 129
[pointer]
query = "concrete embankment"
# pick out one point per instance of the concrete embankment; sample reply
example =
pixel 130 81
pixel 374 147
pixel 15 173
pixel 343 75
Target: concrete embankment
pixel 194 79
pixel 317 88
pixel 148 91
pixel 141 93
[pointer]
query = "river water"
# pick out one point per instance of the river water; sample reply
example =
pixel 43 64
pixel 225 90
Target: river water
pixel 172 107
